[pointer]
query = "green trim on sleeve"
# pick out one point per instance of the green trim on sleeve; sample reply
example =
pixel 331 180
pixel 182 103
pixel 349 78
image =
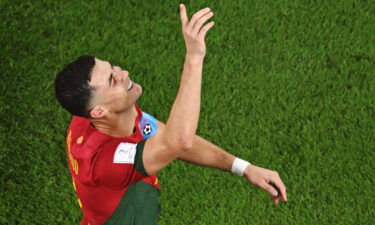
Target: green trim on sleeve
pixel 138 161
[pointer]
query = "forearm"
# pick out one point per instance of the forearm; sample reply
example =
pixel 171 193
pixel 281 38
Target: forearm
pixel 204 153
pixel 183 120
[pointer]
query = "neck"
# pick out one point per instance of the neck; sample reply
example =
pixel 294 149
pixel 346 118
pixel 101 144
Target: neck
pixel 117 124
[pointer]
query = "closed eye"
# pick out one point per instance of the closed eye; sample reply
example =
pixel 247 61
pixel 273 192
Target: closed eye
pixel 110 76
pixel 110 79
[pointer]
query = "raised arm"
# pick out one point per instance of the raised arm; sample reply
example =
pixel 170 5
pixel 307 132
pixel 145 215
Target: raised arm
pixel 183 119
pixel 179 132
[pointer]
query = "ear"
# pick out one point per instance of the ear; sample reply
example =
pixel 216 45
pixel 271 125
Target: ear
pixel 98 112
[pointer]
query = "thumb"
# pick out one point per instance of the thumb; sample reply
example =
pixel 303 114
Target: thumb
pixel 271 190
pixel 184 18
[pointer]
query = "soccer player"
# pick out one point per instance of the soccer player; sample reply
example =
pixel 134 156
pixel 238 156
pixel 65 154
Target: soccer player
pixel 115 150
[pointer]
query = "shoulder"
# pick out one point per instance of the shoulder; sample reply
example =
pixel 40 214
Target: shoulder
pixel 77 127
pixel 83 135
pixel 77 121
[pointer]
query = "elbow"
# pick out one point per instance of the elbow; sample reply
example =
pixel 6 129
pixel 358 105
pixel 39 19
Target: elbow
pixel 183 143
pixel 180 139
pixel 186 143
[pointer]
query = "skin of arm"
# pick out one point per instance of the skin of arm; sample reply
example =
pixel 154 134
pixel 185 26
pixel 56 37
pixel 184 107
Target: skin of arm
pixel 205 153
pixel 179 131
pixel 183 119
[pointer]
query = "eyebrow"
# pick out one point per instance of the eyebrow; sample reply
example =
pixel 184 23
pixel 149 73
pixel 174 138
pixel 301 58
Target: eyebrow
pixel 110 76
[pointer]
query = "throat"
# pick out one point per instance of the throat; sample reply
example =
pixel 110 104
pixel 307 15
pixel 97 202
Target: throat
pixel 118 125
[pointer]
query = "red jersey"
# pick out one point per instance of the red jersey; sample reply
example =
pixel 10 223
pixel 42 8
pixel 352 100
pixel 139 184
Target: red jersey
pixel 108 173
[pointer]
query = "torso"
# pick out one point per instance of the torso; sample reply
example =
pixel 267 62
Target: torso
pixel 102 167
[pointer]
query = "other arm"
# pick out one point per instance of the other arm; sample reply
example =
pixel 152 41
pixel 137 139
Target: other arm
pixel 204 153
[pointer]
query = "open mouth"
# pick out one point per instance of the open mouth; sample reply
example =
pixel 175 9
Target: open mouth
pixel 130 86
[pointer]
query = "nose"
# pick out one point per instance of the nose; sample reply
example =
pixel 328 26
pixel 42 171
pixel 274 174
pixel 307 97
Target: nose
pixel 121 75
pixel 118 69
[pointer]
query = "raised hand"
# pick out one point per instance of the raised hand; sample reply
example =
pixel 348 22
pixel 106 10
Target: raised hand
pixel 193 31
pixel 268 180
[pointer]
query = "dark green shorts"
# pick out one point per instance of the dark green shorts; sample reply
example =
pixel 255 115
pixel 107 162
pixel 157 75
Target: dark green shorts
pixel 139 206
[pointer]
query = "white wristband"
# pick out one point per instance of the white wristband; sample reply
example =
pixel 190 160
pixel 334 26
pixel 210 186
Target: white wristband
pixel 239 166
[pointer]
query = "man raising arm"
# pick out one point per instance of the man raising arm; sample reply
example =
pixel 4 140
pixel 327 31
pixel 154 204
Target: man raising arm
pixel 114 149
pixel 184 117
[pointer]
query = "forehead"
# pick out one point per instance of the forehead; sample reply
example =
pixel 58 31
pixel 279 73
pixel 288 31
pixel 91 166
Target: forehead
pixel 100 72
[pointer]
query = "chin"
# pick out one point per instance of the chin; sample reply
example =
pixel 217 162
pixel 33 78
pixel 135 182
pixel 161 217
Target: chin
pixel 139 88
pixel 137 91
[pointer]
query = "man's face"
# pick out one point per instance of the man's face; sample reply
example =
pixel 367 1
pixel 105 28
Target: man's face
pixel 113 88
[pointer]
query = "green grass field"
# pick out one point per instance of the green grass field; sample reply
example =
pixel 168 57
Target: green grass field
pixel 287 85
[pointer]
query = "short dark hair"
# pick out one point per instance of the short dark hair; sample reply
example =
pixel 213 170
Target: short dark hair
pixel 72 88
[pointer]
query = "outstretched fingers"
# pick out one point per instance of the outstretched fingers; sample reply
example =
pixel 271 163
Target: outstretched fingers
pixel 193 31
pixel 197 16
pixel 194 26
pixel 198 24
pixel 203 31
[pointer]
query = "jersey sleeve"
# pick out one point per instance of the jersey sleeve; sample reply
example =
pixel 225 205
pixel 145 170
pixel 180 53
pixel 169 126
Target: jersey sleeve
pixel 119 165
pixel 138 162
